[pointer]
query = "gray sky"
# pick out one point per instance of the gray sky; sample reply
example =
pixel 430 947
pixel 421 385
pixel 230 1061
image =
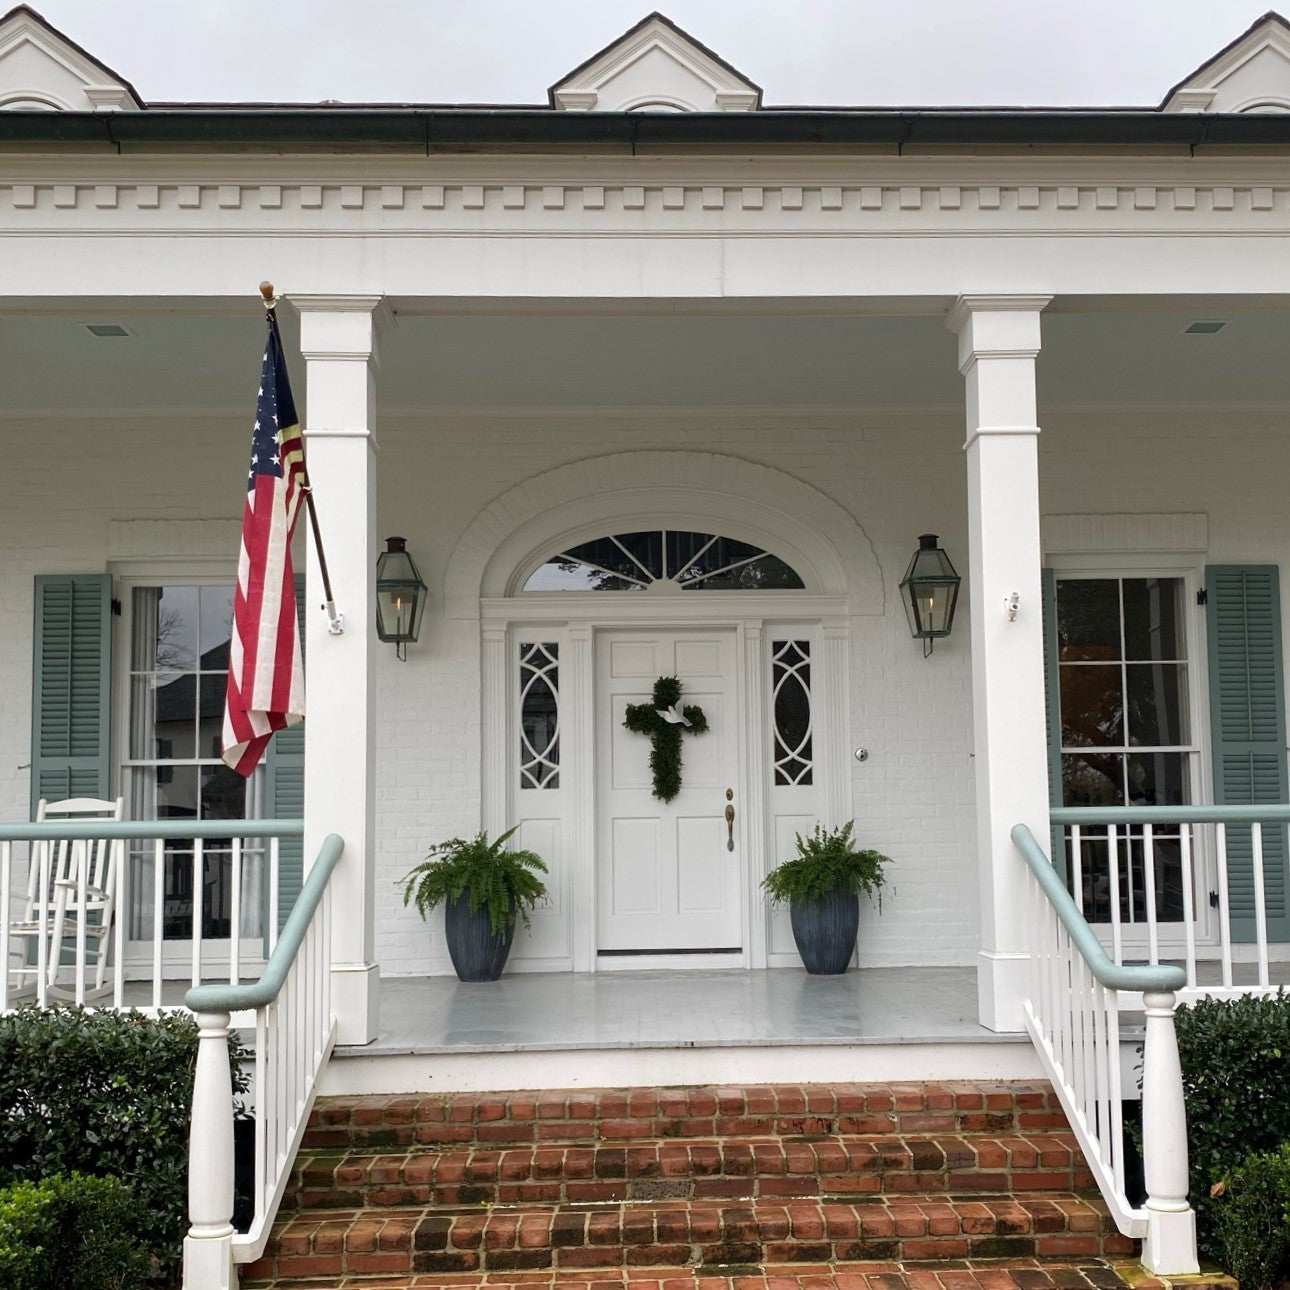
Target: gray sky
pixel 881 52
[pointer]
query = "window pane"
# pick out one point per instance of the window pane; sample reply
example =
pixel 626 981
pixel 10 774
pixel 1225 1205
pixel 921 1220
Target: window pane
pixel 1092 706
pixel 682 549
pixel 217 626
pixel 177 629
pixel 176 792
pixel 1088 619
pixel 564 574
pixel 1089 780
pixel 766 573
pixel 163 711
pixel 210 729
pixel 539 715
pixel 223 793
pixel 607 555
pixel 646 549
pixel 1157 703
pixel 1153 618
pixel 791 678
pixel 1157 779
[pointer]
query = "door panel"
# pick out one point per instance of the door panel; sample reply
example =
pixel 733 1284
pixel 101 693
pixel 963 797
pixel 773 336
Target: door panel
pixel 666 881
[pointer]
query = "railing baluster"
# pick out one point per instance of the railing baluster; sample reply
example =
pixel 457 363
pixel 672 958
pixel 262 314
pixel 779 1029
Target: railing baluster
pixel 261 1103
pixel 6 890
pixel 1149 887
pixel 1187 832
pixel 82 853
pixel 274 862
pixel 158 917
pixel 1113 868
pixel 1260 902
pixel 1077 867
pixel 235 915
pixel 199 887
pixel 1224 918
pixel 118 929
pixel 45 917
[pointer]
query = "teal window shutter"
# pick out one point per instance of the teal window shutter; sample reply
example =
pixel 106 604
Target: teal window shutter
pixel 71 687
pixel 285 791
pixel 1247 719
pixel 1053 715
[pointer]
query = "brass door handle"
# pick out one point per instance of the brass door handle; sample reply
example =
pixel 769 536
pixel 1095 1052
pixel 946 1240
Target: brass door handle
pixel 730 820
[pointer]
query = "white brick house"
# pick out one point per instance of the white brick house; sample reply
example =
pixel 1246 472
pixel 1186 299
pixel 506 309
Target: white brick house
pixel 660 311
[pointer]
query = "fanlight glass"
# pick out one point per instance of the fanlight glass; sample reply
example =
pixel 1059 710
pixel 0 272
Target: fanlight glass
pixel 664 560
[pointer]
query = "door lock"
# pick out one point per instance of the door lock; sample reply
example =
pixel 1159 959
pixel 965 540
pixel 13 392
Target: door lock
pixel 730 819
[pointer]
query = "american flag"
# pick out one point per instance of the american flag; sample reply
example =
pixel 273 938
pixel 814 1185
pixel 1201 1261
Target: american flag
pixel 266 685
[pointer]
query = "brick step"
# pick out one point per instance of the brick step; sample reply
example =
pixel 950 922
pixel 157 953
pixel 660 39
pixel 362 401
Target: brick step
pixel 671 1233
pixel 616 1115
pixel 1002 1274
pixel 688 1169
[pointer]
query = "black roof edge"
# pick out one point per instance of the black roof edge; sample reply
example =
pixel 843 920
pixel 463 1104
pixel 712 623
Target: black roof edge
pixel 1270 16
pixel 435 129
pixel 631 31
pixel 80 49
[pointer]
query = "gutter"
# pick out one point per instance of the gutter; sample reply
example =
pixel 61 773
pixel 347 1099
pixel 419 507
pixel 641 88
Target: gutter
pixel 467 129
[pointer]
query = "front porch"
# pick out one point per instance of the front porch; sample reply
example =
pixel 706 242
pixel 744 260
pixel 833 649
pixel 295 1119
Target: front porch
pixel 622 1029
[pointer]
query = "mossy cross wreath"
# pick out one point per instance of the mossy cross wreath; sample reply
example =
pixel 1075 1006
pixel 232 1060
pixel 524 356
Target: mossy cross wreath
pixel 664 722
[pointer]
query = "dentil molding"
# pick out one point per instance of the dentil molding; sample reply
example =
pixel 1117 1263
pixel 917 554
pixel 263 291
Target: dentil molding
pixel 375 208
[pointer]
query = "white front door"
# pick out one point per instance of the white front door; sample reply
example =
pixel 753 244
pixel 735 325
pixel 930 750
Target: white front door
pixel 667 880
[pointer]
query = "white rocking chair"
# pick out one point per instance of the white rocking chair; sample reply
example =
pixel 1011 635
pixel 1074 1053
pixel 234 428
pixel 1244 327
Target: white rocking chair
pixel 70 906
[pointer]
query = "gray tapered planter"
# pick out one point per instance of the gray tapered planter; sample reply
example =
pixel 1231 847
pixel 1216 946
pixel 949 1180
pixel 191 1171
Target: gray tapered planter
pixel 477 953
pixel 825 931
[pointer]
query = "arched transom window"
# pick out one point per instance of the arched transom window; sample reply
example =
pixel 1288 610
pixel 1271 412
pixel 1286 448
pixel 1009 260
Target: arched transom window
pixel 664 560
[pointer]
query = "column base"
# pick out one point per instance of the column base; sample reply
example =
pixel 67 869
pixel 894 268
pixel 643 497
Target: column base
pixel 356 1001
pixel 1001 982
pixel 208 1262
pixel 1170 1245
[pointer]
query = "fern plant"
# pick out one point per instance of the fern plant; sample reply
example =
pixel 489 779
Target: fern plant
pixel 827 859
pixel 506 883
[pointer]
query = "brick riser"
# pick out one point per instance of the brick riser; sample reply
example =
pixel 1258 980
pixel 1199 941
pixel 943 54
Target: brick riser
pixel 671 1234
pixel 560 1184
pixel 690 1170
pixel 777 1111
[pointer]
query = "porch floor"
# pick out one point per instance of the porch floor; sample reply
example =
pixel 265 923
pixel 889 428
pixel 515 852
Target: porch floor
pixel 539 1012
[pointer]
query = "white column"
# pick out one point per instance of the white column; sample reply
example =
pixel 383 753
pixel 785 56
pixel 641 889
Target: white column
pixel 338 337
pixel 998 344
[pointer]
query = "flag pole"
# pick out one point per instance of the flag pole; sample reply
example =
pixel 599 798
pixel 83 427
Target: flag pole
pixel 335 621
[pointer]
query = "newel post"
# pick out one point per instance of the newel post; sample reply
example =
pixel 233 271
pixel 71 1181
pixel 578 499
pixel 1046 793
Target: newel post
pixel 208 1247
pixel 1170 1245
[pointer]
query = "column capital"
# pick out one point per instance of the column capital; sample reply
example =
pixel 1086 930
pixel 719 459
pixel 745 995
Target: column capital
pixel 342 327
pixel 996 326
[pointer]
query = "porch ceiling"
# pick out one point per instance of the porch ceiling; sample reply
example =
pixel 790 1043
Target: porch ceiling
pixel 679 354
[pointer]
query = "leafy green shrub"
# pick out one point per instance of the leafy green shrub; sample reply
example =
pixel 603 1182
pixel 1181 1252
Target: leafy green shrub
pixel 104 1093
pixel 71 1233
pixel 506 883
pixel 1236 1069
pixel 1251 1216
pixel 826 858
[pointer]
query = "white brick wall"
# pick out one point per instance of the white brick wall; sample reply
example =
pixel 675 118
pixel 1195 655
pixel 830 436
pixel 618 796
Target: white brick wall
pixel 897 474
